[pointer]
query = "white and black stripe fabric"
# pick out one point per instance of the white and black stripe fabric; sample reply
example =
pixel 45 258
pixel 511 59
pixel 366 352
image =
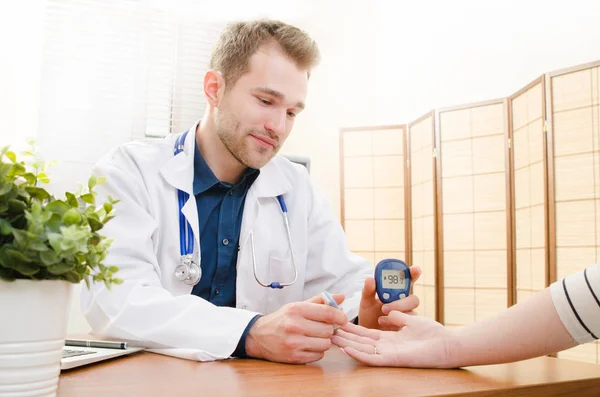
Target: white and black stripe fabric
pixel 576 299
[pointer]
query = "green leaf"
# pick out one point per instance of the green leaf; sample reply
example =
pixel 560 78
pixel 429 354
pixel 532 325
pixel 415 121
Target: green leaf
pixel 72 277
pixel 72 200
pixel 38 164
pixel 60 268
pixel 16 206
pixel 72 217
pixel 5 227
pixel 108 218
pixel 6 187
pixel 4 169
pixel 37 192
pixel 95 224
pixel 49 258
pixel 16 169
pixel 30 178
pixel 58 207
pixel 43 178
pixel 12 156
pixel 89 198
pixel 108 207
pixel 28 240
pixel 92 182
pixel 27 269
pixel 16 256
pixel 54 223
pixel 7 274
pixel 101 180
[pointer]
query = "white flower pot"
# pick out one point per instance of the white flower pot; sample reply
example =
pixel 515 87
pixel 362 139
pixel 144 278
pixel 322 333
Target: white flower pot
pixel 34 317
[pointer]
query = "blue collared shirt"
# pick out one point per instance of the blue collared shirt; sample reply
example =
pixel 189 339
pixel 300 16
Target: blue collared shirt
pixel 220 209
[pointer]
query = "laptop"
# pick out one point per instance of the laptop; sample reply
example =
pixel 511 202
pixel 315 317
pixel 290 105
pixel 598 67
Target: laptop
pixel 83 352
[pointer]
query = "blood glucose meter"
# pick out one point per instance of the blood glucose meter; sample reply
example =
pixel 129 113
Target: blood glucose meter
pixel 392 280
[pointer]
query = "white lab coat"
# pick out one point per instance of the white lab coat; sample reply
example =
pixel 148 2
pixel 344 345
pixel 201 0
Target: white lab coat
pixel 153 309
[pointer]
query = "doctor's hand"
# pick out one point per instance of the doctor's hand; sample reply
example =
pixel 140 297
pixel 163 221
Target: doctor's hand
pixel 420 343
pixel 371 308
pixel 298 333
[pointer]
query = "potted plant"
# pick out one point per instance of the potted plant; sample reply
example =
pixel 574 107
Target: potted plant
pixel 46 245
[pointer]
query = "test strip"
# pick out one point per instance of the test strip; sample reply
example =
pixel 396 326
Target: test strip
pixel 328 299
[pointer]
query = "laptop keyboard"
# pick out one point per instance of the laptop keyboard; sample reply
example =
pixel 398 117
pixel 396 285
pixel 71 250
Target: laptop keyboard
pixel 72 353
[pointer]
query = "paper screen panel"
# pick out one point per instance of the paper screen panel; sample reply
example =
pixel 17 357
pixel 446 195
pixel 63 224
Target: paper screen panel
pixel 528 170
pixel 473 212
pixel 422 217
pixel 373 196
pixel 576 161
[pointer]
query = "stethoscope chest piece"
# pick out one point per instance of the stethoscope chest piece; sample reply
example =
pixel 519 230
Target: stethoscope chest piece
pixel 188 271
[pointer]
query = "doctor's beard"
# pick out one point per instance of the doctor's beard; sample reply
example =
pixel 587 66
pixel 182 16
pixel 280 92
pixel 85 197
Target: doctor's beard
pixel 238 142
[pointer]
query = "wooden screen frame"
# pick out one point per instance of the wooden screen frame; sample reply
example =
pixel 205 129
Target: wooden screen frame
pixel 403 127
pixel 549 185
pixel 549 139
pixel 439 266
pixel 439 196
pixel 512 294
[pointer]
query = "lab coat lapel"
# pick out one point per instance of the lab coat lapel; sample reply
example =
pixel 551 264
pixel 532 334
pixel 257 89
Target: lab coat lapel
pixel 179 173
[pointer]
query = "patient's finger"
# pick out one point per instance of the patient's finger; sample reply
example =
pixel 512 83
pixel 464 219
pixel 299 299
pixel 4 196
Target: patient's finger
pixel 361 331
pixel 375 360
pixel 354 337
pixel 344 343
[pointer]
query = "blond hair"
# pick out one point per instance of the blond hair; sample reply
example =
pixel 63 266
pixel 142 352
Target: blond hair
pixel 240 40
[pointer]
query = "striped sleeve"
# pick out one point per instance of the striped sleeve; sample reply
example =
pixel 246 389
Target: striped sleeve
pixel 576 299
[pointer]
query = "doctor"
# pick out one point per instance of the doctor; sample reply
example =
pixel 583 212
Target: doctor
pixel 200 236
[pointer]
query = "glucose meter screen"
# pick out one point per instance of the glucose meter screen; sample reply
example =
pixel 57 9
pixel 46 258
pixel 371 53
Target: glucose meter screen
pixel 393 279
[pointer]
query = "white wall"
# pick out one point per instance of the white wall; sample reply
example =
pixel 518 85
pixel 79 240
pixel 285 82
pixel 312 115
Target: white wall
pixel 389 62
pixel 384 62
pixel 21 26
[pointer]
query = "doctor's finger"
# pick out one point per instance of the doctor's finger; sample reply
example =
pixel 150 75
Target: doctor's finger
pixel 368 291
pixel 415 273
pixel 316 344
pixel 315 328
pixel 339 298
pixel 407 304
pixel 323 314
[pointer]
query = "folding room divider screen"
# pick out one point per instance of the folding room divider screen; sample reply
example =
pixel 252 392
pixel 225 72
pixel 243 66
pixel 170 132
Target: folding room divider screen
pixel 494 200
pixel 421 209
pixel 527 117
pixel 373 194
pixel 474 211
pixel 574 170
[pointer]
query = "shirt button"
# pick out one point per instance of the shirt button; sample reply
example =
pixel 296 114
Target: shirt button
pixel 217 291
pixel 230 192
pixel 225 241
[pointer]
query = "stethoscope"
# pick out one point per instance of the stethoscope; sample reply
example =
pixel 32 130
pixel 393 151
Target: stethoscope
pixel 188 271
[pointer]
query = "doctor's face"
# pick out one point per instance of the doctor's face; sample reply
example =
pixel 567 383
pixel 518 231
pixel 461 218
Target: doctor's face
pixel 256 114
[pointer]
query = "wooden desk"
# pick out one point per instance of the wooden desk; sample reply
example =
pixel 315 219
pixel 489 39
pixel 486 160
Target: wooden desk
pixel 146 375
